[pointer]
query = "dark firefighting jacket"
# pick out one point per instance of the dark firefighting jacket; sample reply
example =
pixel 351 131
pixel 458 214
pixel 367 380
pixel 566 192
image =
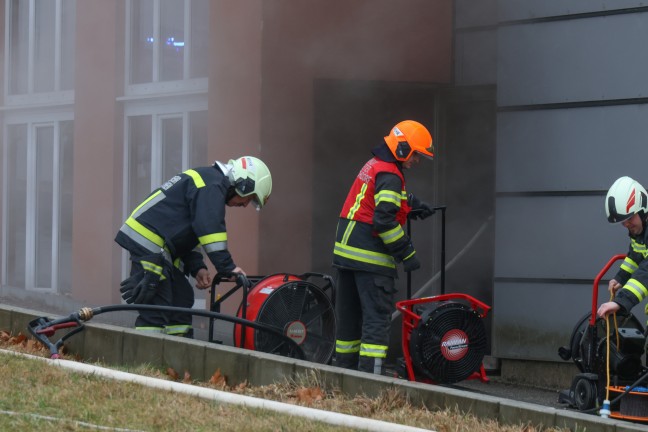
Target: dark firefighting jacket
pixel 633 274
pixel 185 212
pixel 370 235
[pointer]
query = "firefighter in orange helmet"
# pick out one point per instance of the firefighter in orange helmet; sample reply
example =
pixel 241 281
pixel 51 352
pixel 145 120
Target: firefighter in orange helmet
pixel 371 241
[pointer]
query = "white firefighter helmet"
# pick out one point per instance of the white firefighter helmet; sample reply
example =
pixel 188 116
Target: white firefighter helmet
pixel 625 198
pixel 250 175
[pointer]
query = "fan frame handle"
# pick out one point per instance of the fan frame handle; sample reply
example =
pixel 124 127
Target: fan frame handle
pixel 411 320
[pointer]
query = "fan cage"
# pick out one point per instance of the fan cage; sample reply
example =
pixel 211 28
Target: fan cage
pixel 301 311
pixel 449 343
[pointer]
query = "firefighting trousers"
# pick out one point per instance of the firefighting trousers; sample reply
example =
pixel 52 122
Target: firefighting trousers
pixel 172 291
pixel 363 308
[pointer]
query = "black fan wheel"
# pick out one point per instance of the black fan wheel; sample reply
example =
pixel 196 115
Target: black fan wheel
pixel 585 394
pixel 303 312
pixel 449 343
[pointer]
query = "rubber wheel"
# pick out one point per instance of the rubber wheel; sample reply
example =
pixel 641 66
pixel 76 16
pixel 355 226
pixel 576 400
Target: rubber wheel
pixel 585 394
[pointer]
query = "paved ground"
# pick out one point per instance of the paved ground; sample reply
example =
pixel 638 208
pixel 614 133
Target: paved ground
pixel 495 387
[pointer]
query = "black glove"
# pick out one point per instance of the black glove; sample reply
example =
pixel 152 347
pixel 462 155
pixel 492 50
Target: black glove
pixel 423 211
pixel 141 287
pixel 411 264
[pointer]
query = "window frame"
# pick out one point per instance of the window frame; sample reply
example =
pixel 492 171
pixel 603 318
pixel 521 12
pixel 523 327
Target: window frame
pixel 185 85
pixel 43 118
pixel 55 97
pixel 159 109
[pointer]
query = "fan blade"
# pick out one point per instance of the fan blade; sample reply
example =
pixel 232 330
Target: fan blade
pixel 309 316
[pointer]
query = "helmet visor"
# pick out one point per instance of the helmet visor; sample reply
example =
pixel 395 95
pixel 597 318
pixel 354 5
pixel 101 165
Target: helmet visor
pixel 613 215
pixel 427 153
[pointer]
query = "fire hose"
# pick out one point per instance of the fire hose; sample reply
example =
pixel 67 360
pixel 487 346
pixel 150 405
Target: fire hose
pixel 43 328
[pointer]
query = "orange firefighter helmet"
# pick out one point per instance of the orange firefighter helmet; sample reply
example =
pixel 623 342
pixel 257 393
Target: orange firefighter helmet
pixel 407 137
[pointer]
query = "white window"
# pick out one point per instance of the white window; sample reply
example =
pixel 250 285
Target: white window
pixel 167 46
pixel 165 97
pixel 37 222
pixel 160 144
pixel 37 133
pixel 39 40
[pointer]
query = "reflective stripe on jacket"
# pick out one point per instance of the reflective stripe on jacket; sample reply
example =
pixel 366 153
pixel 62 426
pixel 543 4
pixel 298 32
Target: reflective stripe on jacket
pixel 633 273
pixel 361 201
pixel 185 212
pixel 370 235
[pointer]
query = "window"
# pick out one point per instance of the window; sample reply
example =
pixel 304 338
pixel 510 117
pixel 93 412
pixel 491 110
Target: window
pixel 37 228
pixel 159 146
pixel 165 98
pixel 167 45
pixel 37 145
pixel 40 46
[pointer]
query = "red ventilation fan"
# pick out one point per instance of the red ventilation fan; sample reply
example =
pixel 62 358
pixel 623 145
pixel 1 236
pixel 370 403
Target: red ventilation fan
pixel 444 339
pixel 291 306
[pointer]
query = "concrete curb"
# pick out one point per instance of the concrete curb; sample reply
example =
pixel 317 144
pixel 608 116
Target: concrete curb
pixel 122 346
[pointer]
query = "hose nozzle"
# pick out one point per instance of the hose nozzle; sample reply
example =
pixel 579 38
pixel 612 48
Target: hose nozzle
pixel 85 314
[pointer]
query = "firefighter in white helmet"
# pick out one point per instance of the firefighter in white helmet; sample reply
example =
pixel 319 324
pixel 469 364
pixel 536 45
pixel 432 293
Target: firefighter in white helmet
pixel 164 233
pixel 627 203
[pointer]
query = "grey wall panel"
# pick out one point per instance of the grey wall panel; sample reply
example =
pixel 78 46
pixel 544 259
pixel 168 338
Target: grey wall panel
pixel 530 321
pixel 475 57
pixel 475 13
pixel 571 149
pixel 511 10
pixel 554 237
pixel 571 61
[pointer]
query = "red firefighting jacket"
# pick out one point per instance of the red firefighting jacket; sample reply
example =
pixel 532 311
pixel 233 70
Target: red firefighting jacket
pixel 370 235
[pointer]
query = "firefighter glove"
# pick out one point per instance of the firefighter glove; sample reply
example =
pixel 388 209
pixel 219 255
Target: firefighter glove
pixel 423 211
pixel 141 287
pixel 412 263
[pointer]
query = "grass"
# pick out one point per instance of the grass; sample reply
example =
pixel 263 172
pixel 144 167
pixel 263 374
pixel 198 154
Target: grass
pixel 36 396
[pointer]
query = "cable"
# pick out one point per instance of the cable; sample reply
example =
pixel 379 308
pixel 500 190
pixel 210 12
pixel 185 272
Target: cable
pixel 627 390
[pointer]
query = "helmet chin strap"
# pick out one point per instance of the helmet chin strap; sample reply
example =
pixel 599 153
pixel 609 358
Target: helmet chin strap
pixel 231 192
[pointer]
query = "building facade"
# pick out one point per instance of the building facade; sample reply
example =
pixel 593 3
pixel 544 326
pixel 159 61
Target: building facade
pixel 535 109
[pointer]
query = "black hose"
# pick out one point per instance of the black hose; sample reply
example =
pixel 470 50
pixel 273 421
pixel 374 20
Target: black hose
pixel 41 326
pixel 616 399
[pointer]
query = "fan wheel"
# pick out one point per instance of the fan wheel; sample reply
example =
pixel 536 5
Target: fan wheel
pixel 449 343
pixel 304 313
pixel 585 394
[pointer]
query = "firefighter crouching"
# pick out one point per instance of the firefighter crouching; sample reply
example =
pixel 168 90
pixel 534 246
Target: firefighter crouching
pixel 163 236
